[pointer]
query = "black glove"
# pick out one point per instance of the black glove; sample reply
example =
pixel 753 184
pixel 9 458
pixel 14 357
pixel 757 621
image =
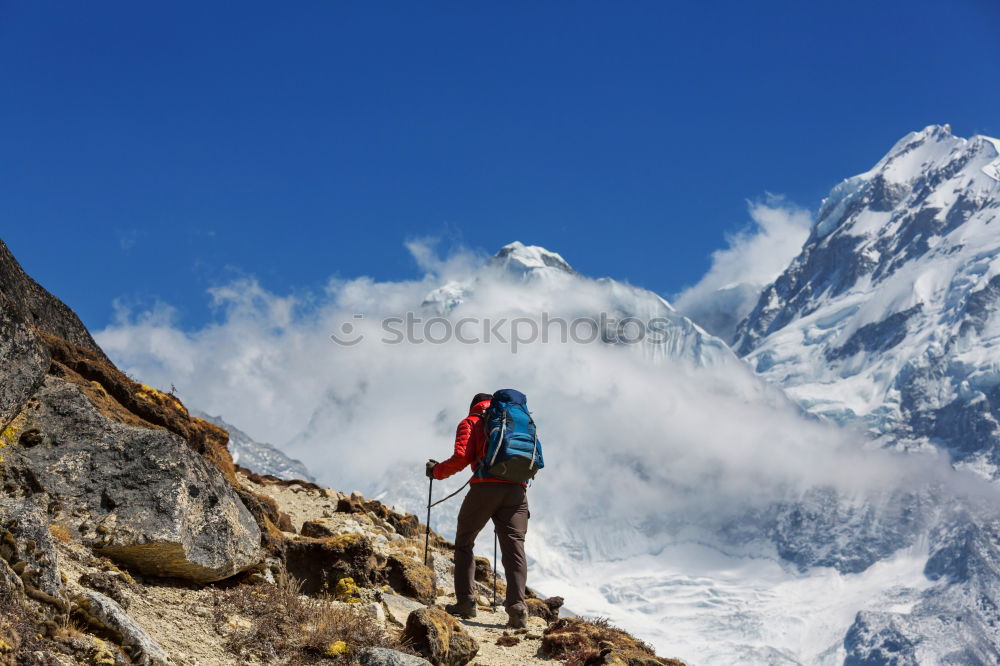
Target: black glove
pixel 429 469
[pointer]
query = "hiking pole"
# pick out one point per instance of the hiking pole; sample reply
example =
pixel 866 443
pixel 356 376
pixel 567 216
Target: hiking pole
pixel 495 539
pixel 427 536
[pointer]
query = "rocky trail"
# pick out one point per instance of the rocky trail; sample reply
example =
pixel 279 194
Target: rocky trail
pixel 497 643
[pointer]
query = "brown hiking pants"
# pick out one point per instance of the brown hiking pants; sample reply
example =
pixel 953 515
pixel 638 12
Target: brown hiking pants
pixel 507 505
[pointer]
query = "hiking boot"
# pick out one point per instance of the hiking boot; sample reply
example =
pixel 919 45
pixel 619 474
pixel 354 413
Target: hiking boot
pixel 517 618
pixel 466 609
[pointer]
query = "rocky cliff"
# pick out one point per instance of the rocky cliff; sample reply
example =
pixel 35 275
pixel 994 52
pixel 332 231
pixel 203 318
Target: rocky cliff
pixel 127 535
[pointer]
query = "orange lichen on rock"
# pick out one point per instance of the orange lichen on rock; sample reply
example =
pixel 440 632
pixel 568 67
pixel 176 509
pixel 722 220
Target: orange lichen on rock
pixel 321 563
pixel 411 578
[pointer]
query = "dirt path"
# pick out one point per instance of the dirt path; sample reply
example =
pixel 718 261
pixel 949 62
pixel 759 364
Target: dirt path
pixel 488 627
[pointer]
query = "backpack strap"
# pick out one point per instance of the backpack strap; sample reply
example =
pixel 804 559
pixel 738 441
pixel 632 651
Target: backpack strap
pixel 534 450
pixel 503 428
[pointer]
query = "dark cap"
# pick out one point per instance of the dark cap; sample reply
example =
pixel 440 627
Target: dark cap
pixel 479 398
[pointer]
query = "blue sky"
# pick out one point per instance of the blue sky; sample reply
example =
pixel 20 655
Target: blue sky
pixel 153 150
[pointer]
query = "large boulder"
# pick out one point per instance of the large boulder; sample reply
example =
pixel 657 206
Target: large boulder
pixel 440 637
pixel 141 494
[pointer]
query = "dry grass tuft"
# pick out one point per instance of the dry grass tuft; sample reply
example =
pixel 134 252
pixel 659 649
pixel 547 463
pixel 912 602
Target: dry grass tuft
pixel 275 624
pixel 60 532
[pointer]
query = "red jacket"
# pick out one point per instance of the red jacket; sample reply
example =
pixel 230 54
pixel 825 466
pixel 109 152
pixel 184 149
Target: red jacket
pixel 470 446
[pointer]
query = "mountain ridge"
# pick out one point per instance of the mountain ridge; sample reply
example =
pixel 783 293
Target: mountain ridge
pixel 896 285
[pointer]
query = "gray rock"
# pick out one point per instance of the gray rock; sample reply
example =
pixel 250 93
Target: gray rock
pixel 104 612
pixel 399 607
pixel 154 503
pixel 109 583
pixel 444 572
pixel 26 546
pixel 374 610
pixel 387 657
pixel 23 362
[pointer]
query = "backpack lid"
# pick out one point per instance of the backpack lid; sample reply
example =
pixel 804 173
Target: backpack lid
pixel 512 396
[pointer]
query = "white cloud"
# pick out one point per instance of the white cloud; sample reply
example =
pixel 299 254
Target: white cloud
pixel 662 434
pixel 753 259
pixel 462 261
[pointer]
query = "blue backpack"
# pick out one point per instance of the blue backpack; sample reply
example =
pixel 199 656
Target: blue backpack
pixel 513 452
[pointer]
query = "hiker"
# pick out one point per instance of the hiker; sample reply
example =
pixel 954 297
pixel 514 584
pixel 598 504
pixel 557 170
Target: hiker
pixel 489 497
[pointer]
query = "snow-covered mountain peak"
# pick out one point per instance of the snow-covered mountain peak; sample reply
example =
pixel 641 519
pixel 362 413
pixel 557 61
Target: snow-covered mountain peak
pixel 520 259
pixel 936 147
pixel 514 260
pixel 929 135
pixel 534 280
pixel 891 312
pixel 931 161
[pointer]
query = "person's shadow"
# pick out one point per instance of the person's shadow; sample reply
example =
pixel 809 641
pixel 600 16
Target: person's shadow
pixel 486 625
